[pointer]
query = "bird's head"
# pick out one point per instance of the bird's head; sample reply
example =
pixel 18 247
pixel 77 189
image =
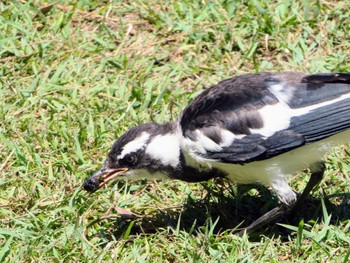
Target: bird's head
pixel 144 152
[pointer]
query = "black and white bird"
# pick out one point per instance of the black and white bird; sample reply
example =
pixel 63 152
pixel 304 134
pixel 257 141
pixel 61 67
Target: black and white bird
pixel 254 128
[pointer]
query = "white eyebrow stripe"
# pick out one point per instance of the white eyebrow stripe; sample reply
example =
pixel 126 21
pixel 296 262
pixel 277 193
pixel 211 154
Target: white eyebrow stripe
pixel 136 144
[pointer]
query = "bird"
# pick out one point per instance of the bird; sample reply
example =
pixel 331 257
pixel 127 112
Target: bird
pixel 254 128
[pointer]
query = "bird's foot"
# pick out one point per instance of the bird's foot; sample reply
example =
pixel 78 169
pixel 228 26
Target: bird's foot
pixel 265 219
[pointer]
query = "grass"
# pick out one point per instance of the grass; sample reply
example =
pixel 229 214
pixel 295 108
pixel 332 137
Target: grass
pixel 76 74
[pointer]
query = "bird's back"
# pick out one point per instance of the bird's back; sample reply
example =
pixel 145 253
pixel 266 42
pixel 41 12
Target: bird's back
pixel 258 116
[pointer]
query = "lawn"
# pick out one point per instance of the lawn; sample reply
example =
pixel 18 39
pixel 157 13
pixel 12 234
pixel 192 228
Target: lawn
pixel 75 75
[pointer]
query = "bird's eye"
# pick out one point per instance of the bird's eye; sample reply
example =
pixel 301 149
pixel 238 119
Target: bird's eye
pixel 129 160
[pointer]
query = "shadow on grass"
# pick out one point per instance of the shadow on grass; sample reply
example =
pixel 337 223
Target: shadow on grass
pixel 232 210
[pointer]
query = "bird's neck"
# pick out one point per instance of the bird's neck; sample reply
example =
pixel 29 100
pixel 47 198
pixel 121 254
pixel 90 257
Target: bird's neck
pixel 176 160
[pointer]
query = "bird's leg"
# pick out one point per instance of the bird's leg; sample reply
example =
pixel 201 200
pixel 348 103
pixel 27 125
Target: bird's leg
pixel 315 178
pixel 283 209
pixel 265 219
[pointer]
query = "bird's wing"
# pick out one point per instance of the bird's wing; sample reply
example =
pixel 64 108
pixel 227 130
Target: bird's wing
pixel 258 116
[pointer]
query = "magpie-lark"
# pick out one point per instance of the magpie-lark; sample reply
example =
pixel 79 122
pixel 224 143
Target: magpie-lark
pixel 255 128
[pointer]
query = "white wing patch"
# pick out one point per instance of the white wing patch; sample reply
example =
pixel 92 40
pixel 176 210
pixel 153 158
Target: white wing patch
pixel 281 93
pixel 305 110
pixel 275 118
pixel 208 144
pixel 165 148
pixel 136 144
pixel 228 137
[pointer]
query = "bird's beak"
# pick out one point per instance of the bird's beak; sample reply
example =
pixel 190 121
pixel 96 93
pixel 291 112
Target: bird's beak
pixel 102 177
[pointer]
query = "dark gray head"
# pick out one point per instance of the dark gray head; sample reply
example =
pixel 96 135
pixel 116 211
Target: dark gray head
pixel 144 152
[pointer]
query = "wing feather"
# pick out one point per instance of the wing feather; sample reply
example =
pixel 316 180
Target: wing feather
pixel 318 106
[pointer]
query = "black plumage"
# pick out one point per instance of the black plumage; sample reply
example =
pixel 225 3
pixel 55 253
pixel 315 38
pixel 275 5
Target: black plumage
pixel 255 128
pixel 233 104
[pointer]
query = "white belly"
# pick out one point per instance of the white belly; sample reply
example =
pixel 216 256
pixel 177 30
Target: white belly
pixel 266 171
